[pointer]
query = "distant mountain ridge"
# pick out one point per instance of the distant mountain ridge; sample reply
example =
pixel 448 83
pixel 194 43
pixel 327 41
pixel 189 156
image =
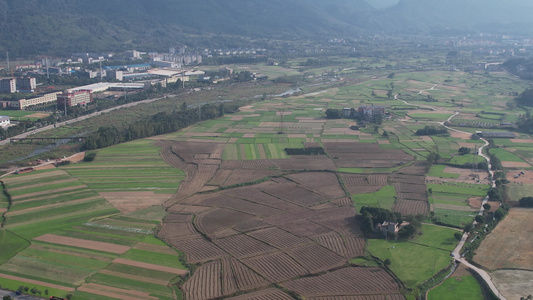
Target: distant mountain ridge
pixel 62 26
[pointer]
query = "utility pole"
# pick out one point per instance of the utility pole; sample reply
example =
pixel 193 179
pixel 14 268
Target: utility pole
pixel 7 55
pixel 47 72
pixel 199 112
pixel 281 123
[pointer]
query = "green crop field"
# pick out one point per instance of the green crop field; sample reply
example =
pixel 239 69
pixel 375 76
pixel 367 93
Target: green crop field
pixel 383 198
pixel 431 116
pixel 154 258
pixel 11 245
pixel 466 159
pixel 135 165
pixel 130 284
pixel 71 202
pixel 412 263
pixel 471 190
pixel 455 218
pixel 438 171
pixel 504 155
pixel 437 237
pixel 465 287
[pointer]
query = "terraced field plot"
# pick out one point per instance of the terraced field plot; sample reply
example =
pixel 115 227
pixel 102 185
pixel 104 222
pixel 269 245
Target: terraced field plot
pixel 92 249
pixel 274 231
pixel 449 202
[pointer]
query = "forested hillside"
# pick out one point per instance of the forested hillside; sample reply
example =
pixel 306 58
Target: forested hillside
pixel 63 26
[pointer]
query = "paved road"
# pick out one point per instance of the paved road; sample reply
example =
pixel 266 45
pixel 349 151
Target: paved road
pixel 29 133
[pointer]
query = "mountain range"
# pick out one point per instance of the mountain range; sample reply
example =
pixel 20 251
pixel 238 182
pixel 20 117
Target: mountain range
pixel 63 26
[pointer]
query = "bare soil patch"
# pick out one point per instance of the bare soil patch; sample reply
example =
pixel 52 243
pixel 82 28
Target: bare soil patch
pixel 526 178
pixel 460 135
pixel 132 201
pixel 520 141
pixel 346 282
pixel 76 158
pixel 93 245
pixel 515 164
pixel 271 293
pixel 513 284
pixel 509 245
pixel 475 202
pixel 150 266
pixel 155 248
pixel 38 115
pixel 44 167
pixel 55 286
pixel 461 271
pixel 205 283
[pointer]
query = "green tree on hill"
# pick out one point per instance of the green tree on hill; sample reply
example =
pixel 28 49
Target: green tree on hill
pixel 464 150
pixel 525 98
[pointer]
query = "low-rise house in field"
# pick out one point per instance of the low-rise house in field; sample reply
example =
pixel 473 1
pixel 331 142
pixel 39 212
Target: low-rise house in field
pixel 5 121
pixel 496 134
pixel 369 111
pixel 388 228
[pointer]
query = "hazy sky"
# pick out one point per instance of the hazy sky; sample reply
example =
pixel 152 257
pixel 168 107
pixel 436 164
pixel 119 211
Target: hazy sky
pixel 382 3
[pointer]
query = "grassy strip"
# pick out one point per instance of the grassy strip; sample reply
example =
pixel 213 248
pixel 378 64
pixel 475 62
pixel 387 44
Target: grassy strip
pixel 45 188
pixel 11 245
pixel 465 287
pixel 129 284
pixel 438 171
pixel 55 211
pixel 154 258
pixel 383 198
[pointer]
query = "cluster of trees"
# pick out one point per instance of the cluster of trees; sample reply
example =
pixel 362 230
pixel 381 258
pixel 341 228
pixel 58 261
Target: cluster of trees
pixel 490 220
pixel 163 122
pixel 526 202
pixel 522 67
pixel 464 150
pixel 525 123
pixel 525 98
pixel 372 216
pixel 333 113
pixel 412 229
pixel 24 126
pixel 316 63
pixel 431 130
pixel 33 290
pixel 305 151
